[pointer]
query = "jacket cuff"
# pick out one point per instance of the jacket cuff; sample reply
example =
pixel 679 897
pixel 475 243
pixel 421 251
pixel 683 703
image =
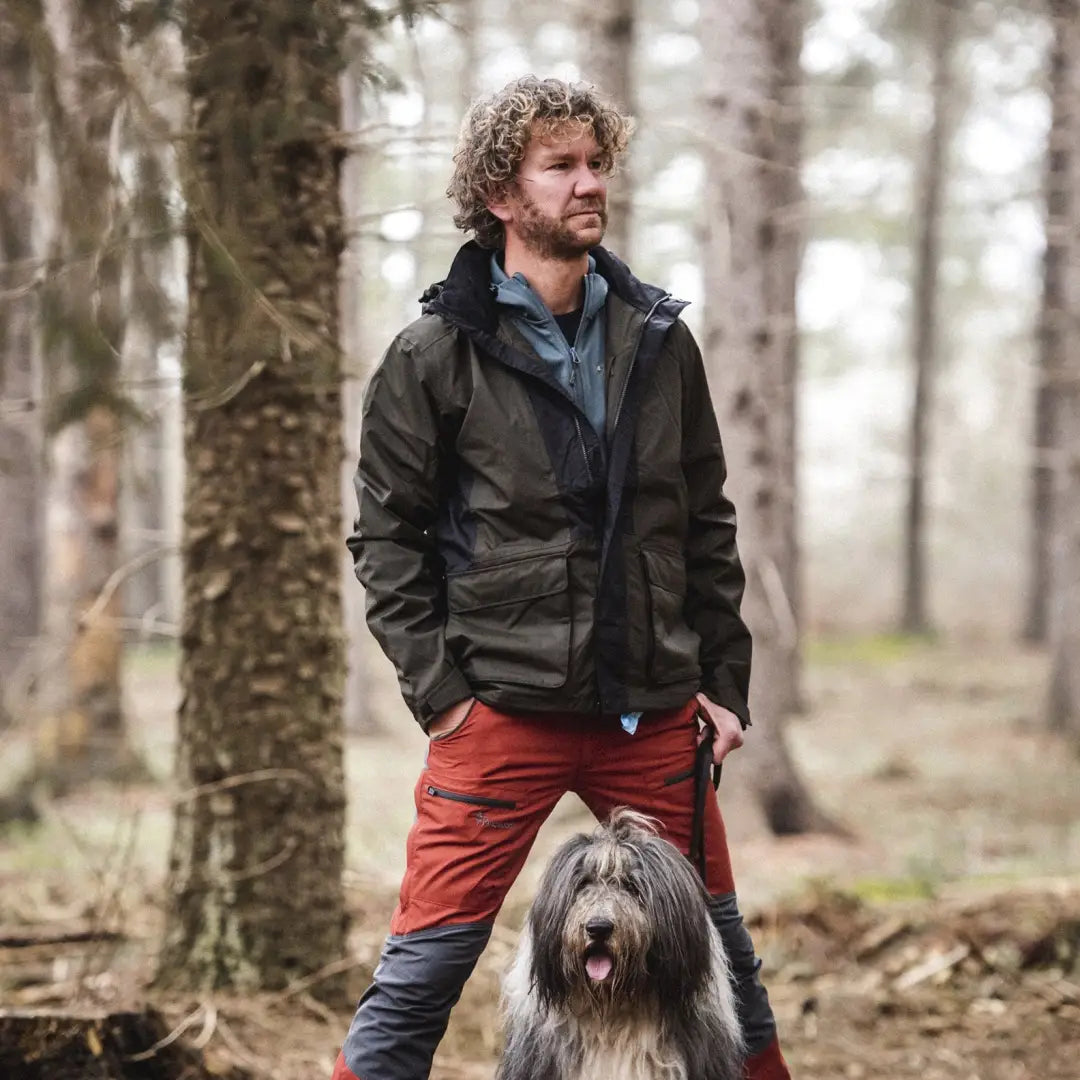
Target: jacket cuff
pixel 724 694
pixel 452 689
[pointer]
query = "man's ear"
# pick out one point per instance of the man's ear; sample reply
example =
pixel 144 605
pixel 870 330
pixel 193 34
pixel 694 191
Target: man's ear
pixel 499 205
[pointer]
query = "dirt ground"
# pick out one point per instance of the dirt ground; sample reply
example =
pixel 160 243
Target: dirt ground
pixel 941 938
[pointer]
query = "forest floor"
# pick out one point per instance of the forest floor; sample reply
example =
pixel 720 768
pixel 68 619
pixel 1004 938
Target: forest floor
pixel 939 939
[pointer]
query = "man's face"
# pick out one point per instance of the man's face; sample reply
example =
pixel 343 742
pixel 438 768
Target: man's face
pixel 557 207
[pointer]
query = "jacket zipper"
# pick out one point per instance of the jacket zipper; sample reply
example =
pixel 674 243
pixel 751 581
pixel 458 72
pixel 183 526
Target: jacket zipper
pixel 633 360
pixel 472 800
pixel 581 443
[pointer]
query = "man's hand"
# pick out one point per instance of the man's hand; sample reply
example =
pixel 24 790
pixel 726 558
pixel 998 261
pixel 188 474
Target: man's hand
pixel 452 718
pixel 726 725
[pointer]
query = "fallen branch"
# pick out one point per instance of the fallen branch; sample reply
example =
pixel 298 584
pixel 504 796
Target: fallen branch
pixel 935 965
pixel 26 937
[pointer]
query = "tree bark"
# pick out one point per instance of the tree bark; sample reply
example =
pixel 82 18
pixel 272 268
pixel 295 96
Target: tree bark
pixel 1064 699
pixel 751 267
pixel 1051 339
pixel 256 897
pixel 914 617
pixel 21 473
pixel 609 63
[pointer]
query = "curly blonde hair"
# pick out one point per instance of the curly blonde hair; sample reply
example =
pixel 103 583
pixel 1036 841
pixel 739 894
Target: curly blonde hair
pixel 497 129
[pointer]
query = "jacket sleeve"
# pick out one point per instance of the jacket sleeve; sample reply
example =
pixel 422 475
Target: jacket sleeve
pixel 714 574
pixel 392 544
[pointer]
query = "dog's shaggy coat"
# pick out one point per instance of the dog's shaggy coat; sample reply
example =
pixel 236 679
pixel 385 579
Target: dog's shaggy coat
pixel 620 974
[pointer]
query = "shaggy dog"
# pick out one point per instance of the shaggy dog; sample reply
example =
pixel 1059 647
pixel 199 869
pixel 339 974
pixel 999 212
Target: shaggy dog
pixel 620 974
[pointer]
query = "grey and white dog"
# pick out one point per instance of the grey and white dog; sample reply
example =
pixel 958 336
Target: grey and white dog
pixel 620 974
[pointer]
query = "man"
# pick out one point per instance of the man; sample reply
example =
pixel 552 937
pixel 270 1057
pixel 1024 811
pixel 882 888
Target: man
pixel 549 560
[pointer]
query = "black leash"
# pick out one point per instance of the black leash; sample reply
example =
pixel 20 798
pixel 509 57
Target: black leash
pixel 702 762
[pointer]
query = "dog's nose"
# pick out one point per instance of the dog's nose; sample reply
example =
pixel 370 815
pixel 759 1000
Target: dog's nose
pixel 599 928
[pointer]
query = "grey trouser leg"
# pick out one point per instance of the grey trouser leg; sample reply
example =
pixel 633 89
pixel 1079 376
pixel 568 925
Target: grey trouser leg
pixel 755 1012
pixel 404 1013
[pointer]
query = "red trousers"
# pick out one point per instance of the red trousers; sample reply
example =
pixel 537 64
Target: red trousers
pixel 486 788
pixel 492 782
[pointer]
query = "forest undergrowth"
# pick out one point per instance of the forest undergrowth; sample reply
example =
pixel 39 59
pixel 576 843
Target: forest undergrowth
pixel 940 938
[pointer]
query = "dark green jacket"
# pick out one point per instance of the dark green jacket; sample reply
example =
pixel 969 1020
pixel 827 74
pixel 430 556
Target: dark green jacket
pixel 506 556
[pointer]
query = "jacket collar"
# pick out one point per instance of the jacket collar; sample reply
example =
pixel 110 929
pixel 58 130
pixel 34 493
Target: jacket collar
pixel 466 297
pixel 516 293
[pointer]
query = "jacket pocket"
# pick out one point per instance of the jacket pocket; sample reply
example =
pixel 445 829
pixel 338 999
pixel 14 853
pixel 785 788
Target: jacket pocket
pixel 510 623
pixel 673 646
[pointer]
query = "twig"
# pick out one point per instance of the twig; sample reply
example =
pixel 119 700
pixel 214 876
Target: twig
pixel 121 574
pixel 209 1015
pixel 228 1037
pixel 231 391
pixel 239 780
pixel 327 971
pixel 267 865
pixel 327 1016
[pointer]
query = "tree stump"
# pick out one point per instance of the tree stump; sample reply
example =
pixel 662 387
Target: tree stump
pixel 50 1044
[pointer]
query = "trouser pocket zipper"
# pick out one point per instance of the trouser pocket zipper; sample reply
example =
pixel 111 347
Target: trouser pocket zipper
pixel 679 777
pixel 472 800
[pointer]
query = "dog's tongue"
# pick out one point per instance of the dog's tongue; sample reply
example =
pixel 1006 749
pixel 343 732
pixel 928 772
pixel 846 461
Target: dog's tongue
pixel 598 966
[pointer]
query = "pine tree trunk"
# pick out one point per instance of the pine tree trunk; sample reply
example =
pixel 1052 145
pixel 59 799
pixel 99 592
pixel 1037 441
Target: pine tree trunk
pixel 82 734
pixel 255 870
pixel 751 265
pixel 359 716
pixel 1064 704
pixel 915 618
pixel 1052 335
pixel 21 477
pixel 153 259
pixel 785 39
pixel 609 62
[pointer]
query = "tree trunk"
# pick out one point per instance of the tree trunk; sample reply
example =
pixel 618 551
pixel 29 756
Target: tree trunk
pixel 942 36
pixel 21 475
pixel 785 41
pixel 153 261
pixel 749 325
pixel 1052 335
pixel 359 716
pixel 469 17
pixel 255 870
pixel 82 733
pixel 1064 704
pixel 609 62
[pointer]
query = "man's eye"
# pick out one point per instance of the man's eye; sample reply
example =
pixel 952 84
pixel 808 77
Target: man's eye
pixel 596 166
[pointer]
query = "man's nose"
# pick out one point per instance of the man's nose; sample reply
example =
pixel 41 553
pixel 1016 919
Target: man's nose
pixel 589 182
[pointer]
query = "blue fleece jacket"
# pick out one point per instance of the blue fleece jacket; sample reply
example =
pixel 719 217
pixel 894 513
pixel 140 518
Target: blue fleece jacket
pixel 579 367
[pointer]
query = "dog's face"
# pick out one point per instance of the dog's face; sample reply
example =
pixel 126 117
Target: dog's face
pixel 620 920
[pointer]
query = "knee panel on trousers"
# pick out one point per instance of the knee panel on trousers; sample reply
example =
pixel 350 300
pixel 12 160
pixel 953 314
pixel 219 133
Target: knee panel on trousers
pixel 755 1012
pixel 404 1013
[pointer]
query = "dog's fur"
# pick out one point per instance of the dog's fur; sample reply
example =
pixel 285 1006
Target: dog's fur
pixel 665 1008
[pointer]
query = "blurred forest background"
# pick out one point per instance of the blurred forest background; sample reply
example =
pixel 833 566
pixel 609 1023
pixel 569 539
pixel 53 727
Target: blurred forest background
pixel 213 219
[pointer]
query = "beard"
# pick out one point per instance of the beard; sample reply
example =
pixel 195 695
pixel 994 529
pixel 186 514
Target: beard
pixel 559 238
